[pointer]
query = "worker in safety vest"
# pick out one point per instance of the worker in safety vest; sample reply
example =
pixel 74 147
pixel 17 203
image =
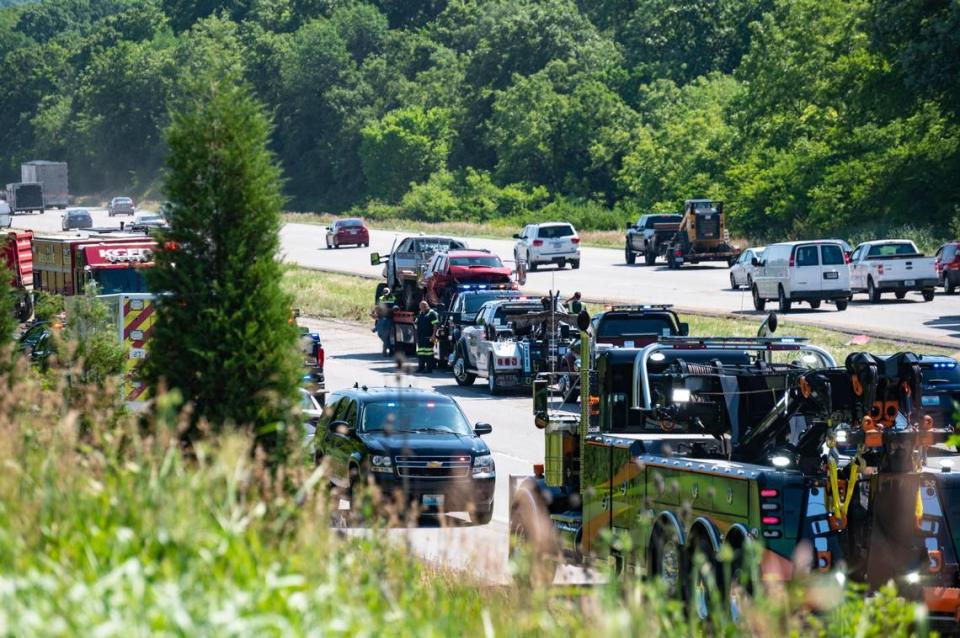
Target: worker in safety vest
pixel 383 326
pixel 574 303
pixel 426 324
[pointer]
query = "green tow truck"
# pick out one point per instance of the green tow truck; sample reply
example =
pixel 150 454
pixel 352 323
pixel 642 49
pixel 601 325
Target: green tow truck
pixel 696 448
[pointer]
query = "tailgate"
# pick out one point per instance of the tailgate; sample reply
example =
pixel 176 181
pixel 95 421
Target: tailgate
pixel 899 269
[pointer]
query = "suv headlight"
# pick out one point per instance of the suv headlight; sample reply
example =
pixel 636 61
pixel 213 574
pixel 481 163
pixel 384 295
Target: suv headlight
pixel 381 464
pixel 483 465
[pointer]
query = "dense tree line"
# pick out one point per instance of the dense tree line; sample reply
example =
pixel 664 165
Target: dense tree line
pixel 805 116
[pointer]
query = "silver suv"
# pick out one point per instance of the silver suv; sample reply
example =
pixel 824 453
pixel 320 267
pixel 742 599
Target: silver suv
pixel 121 206
pixel 549 243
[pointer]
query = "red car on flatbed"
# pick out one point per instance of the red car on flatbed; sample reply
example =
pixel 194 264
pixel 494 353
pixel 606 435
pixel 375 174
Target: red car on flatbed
pixel 447 270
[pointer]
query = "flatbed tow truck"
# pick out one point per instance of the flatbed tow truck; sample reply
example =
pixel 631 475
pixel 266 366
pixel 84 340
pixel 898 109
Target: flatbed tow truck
pixel 697 448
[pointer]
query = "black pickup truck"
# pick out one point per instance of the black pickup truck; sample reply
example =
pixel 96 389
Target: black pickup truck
pixel 649 236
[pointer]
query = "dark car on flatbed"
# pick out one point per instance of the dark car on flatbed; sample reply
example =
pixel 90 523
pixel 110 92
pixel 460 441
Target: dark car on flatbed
pixel 415 445
pixel 620 327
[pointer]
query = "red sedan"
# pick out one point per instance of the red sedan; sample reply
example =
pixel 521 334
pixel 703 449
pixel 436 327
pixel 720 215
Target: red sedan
pixel 350 231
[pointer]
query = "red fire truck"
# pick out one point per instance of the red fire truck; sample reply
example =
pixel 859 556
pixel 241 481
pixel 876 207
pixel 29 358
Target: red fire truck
pixel 18 259
pixel 64 264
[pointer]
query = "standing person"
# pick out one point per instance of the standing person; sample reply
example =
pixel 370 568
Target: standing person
pixel 575 304
pixel 384 320
pixel 426 325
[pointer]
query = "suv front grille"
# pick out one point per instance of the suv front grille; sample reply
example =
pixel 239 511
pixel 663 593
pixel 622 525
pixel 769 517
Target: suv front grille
pixel 433 466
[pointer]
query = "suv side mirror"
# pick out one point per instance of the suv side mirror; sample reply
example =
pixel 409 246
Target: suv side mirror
pixel 481 429
pixel 375 259
pixel 684 329
pixel 516 235
pixel 630 226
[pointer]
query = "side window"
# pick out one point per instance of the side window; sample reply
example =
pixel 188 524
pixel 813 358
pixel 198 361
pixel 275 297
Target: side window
pixel 350 415
pixel 333 403
pixel 950 253
pixel 404 246
pixel 807 256
pixel 856 254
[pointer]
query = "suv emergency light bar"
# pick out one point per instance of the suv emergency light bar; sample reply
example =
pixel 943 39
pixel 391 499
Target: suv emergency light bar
pixel 757 344
pixel 655 306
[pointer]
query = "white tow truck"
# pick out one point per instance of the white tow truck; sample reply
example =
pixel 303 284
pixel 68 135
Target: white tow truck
pixel 510 342
pixel 892 265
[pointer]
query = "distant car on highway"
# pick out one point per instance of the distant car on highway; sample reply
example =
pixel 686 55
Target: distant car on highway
pixel 148 221
pixel 741 272
pixel 348 232
pixel 947 261
pixel 413 443
pixel 75 219
pixel 121 206
pixel 649 236
pixel 892 265
pixel 807 271
pixel 550 243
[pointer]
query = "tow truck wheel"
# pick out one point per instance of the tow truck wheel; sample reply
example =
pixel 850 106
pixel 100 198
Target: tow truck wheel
pixel 758 302
pixel 460 373
pixel 705 591
pixel 533 541
pixel 872 291
pixel 927 295
pixel 629 256
pixel 492 380
pixel 667 559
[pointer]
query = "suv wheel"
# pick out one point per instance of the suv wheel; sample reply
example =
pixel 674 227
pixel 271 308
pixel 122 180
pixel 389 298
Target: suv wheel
pixel 628 255
pixel 784 301
pixel 758 302
pixel 733 283
pixel 460 373
pixel 872 291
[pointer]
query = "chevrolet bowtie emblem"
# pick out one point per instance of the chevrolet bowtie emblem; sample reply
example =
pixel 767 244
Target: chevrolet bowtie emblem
pixel 434 464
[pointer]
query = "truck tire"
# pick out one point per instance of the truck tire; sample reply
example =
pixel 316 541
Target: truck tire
pixel 575 264
pixel 704 578
pixel 873 293
pixel 411 296
pixel 492 379
pixel 815 304
pixel 461 374
pixel 783 300
pixel 842 304
pixel 949 285
pixel 928 294
pixel 667 559
pixel 649 256
pixel 900 294
pixel 758 302
pixel 628 255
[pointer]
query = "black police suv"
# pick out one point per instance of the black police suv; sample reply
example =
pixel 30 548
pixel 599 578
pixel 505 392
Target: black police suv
pixel 417 445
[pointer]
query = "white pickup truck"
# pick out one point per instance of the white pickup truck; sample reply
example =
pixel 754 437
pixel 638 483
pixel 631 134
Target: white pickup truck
pixel 892 265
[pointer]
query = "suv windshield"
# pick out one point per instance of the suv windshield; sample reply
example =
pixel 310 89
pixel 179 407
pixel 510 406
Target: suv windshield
pixel 413 414
pixel 492 261
pixel 625 326
pixel 554 232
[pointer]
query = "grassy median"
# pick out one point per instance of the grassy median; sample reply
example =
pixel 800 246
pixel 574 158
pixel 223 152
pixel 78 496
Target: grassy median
pixel 349 297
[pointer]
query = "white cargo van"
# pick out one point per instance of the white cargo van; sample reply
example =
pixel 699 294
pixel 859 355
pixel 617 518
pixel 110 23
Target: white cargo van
pixel 808 271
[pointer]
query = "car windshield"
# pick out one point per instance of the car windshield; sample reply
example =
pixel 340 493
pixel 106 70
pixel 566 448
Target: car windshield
pixel 414 414
pixel 889 250
pixel 555 232
pixel 435 245
pixel 491 261
pixel 472 303
pixel 633 326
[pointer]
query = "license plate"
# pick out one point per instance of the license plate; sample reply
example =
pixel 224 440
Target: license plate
pixel 910 282
pixel 831 275
pixel 508 379
pixel 929 400
pixel 558 244
pixel 433 500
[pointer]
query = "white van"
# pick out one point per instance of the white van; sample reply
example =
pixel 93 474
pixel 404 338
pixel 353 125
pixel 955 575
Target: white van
pixel 809 271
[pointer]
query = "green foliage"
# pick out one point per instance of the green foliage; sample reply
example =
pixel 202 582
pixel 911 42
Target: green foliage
pixel 8 322
pixel 222 337
pixel 90 344
pixel 405 146
pixel 806 117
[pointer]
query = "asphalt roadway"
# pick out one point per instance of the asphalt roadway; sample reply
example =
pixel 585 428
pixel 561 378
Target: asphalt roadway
pixel 605 277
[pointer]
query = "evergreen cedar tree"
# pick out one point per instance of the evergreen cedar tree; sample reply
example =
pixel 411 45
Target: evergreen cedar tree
pixel 223 335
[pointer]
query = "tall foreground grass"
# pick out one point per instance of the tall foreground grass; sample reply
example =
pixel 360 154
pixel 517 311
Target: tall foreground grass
pixel 109 528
